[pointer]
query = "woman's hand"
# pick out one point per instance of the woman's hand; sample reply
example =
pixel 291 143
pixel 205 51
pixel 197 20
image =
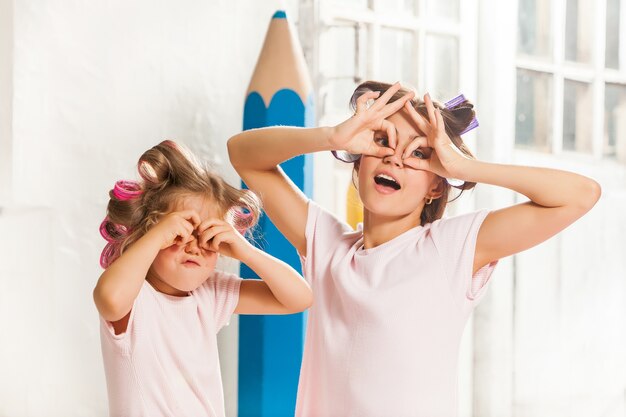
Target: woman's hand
pixel 175 228
pixel 445 160
pixel 220 236
pixel 356 135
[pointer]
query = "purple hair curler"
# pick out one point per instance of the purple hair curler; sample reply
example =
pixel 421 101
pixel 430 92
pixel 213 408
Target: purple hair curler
pixel 127 190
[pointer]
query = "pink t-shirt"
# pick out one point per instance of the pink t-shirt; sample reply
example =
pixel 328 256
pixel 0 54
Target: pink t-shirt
pixel 384 330
pixel 166 363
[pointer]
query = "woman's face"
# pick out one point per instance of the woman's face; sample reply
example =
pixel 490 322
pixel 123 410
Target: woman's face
pixel 389 188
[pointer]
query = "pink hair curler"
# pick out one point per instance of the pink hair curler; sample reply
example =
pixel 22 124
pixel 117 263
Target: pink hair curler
pixel 127 190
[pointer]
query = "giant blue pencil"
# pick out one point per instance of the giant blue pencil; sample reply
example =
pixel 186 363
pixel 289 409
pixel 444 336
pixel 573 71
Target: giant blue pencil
pixel 270 347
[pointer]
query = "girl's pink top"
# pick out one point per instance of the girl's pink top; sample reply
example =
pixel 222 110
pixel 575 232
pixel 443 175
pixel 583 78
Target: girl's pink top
pixel 166 363
pixel 384 330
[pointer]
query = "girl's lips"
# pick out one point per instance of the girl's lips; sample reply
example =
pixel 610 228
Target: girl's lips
pixel 190 262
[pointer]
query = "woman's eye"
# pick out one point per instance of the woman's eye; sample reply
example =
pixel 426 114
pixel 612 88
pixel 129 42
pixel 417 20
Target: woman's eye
pixel 382 141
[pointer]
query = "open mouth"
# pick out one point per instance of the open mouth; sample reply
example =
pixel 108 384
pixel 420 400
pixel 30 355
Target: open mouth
pixel 386 181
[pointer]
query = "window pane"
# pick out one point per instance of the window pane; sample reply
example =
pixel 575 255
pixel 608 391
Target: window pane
pixel 448 9
pixel 579 30
pixel 534 28
pixel 337 95
pixel 577 116
pixel 397 56
pixel 353 4
pixel 615 121
pixel 441 68
pixel 409 6
pixel 612 33
pixel 533 121
pixel 337 51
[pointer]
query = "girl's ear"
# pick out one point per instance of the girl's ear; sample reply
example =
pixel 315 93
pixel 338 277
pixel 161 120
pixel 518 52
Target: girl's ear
pixel 437 187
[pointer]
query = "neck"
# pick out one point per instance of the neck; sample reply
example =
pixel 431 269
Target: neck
pixel 163 287
pixel 379 229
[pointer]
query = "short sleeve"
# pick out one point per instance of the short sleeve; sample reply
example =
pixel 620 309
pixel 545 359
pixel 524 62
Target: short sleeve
pixel 225 290
pixel 123 341
pixel 322 233
pixel 455 241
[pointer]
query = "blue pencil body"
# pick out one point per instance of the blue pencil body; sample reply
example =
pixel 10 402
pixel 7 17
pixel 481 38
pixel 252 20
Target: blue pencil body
pixel 270 347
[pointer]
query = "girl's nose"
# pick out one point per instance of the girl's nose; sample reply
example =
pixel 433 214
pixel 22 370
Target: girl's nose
pixel 192 247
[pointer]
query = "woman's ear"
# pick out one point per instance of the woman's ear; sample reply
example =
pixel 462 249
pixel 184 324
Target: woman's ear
pixel 437 187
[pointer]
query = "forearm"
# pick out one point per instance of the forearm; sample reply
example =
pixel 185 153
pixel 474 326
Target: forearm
pixel 120 284
pixel 284 282
pixel 264 149
pixel 543 186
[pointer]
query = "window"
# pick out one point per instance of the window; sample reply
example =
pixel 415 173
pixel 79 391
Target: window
pixel 418 42
pixel 571 77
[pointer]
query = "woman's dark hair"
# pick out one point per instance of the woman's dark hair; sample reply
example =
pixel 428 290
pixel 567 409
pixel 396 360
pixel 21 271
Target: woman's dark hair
pixel 456 120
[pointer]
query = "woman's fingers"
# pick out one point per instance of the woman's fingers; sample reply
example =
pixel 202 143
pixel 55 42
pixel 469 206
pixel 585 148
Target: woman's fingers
pixel 430 108
pixel 416 163
pixel 389 127
pixel 415 144
pixel 420 121
pixel 380 103
pixel 361 102
pixel 391 108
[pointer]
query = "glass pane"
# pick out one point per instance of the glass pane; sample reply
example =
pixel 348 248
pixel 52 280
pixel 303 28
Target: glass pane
pixel 533 114
pixel 337 51
pixel 397 56
pixel 409 6
pixel 579 30
pixel 612 33
pixel 615 121
pixel 448 9
pixel 577 116
pixel 352 4
pixel 441 68
pixel 534 28
pixel 337 95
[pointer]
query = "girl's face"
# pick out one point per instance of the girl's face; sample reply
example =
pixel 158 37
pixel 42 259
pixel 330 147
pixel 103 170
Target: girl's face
pixel 178 269
pixel 387 187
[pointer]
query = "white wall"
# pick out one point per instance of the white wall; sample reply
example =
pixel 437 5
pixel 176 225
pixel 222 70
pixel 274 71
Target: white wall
pixel 94 84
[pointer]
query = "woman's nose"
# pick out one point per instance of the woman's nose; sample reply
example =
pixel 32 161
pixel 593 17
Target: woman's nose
pixel 395 159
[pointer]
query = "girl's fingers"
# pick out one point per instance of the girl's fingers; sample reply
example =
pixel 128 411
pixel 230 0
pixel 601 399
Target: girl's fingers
pixel 210 223
pixel 380 103
pixel 430 108
pixel 191 216
pixel 419 120
pixel 415 144
pixel 389 127
pixel 391 108
pixel 361 102
pixel 210 233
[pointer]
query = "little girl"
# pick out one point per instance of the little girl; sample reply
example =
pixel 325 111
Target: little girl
pixel 392 298
pixel 160 299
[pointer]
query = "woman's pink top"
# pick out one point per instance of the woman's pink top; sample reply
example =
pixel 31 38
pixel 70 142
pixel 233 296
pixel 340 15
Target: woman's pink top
pixel 384 330
pixel 166 363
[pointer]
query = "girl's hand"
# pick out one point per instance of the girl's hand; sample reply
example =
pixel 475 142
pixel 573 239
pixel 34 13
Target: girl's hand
pixel 356 135
pixel 220 236
pixel 175 228
pixel 445 160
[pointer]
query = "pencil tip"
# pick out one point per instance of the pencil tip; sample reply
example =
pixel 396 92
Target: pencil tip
pixel 280 14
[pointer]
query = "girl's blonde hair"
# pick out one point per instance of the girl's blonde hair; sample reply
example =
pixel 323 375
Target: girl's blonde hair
pixel 168 171
pixel 456 120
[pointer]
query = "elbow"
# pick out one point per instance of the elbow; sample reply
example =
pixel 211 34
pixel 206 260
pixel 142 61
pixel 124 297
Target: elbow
pixel 303 303
pixel 590 195
pixel 233 153
pixel 108 306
